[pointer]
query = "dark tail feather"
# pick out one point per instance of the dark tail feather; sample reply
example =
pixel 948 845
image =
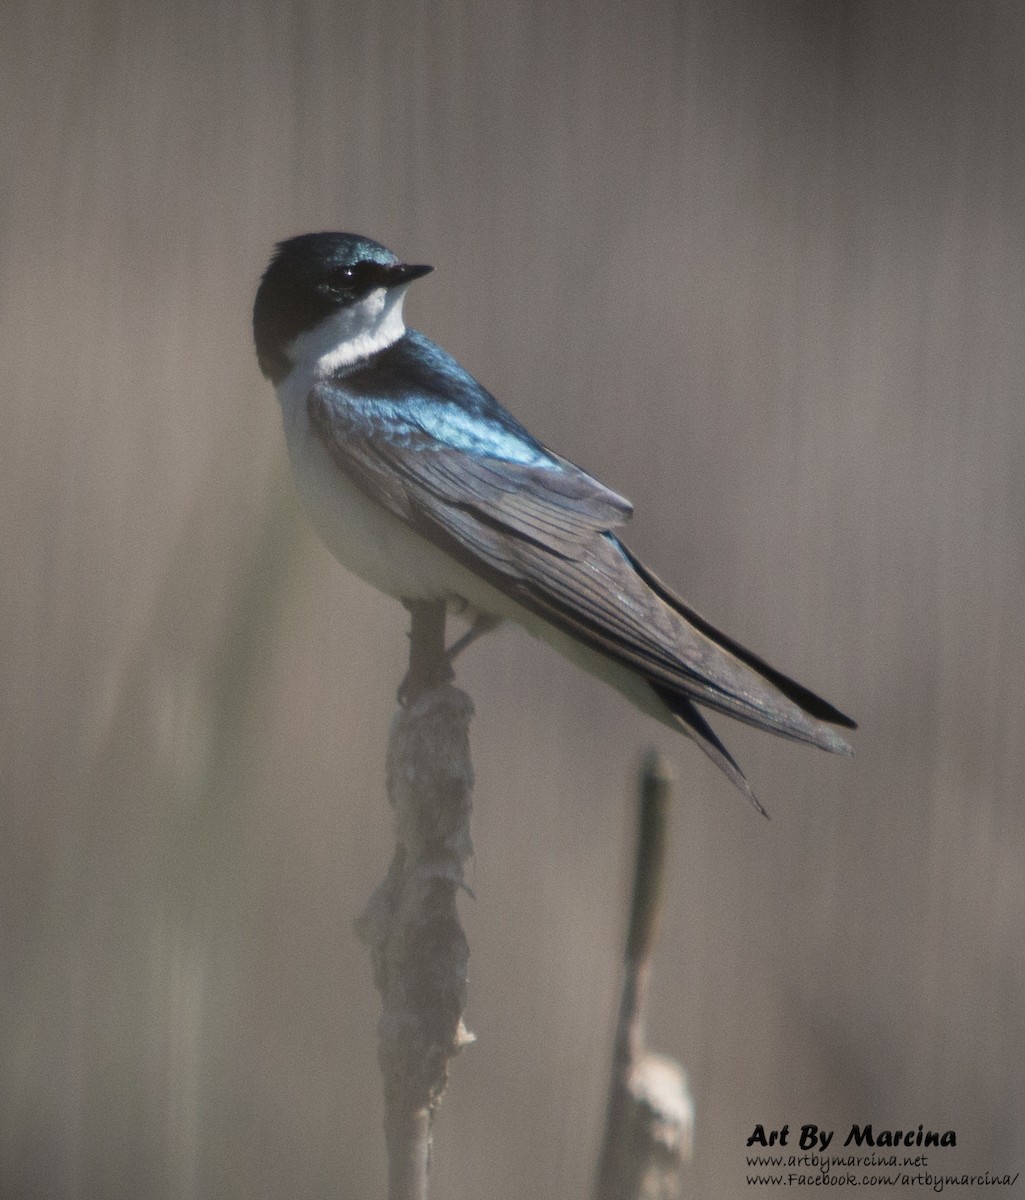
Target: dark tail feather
pixel 803 697
pixel 700 731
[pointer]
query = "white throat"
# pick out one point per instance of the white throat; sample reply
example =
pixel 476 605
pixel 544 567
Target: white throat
pixel 352 333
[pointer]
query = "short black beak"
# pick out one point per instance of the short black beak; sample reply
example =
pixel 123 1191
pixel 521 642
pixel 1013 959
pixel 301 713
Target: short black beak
pixel 398 273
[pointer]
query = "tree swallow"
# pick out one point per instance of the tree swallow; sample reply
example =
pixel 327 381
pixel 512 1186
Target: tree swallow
pixel 420 482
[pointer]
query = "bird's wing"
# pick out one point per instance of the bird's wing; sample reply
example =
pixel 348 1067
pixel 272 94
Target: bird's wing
pixel 420 461
pixel 540 530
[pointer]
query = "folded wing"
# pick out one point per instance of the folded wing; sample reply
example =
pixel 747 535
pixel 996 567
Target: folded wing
pixel 542 531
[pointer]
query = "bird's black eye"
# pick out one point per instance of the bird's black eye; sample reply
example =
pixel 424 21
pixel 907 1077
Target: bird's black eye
pixel 351 279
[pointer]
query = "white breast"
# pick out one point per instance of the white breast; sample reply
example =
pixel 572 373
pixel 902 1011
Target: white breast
pixel 363 536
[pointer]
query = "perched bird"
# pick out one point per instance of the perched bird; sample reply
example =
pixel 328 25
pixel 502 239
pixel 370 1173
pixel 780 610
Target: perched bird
pixel 420 482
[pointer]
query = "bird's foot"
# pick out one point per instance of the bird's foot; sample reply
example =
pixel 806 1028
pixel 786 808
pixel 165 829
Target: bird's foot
pixel 424 676
pixel 482 623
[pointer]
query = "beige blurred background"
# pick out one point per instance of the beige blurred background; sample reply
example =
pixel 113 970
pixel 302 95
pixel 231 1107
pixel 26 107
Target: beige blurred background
pixel 761 267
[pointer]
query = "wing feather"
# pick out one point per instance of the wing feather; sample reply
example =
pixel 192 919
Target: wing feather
pixel 542 531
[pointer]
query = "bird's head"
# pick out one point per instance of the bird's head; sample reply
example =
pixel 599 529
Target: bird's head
pixel 329 294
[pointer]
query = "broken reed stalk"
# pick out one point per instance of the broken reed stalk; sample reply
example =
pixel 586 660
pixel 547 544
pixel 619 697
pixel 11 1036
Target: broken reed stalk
pixel 649 1116
pixel 417 946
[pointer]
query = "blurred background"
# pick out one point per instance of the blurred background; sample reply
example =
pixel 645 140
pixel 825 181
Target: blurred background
pixel 761 267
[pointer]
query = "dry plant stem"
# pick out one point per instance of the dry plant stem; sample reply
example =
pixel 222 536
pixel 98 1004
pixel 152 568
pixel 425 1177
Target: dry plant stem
pixel 411 925
pixel 624 1160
